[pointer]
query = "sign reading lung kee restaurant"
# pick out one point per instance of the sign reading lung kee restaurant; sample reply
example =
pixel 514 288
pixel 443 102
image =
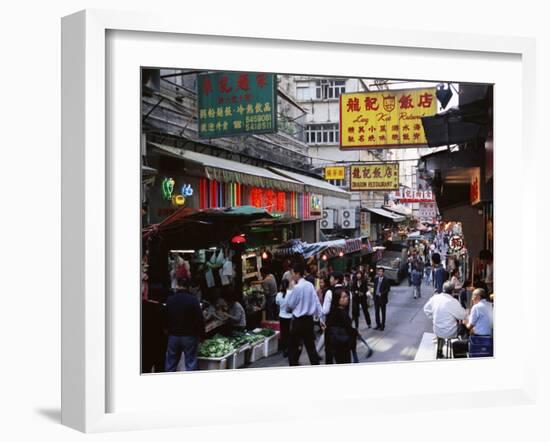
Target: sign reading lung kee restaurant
pixel 385 118
pixel 236 103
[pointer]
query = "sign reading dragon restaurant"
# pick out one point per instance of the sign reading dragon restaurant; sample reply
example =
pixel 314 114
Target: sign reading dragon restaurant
pixel 374 176
pixel 385 118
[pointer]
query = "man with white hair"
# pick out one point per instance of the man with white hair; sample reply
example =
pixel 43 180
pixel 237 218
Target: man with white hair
pixel 445 311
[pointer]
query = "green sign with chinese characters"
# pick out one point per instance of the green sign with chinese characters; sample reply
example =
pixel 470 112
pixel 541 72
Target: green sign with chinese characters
pixel 237 103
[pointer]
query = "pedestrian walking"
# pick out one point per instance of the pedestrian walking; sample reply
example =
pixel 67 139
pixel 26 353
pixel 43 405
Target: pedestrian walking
pixel 360 290
pixel 184 324
pixel 381 291
pixel 304 305
pixel 439 274
pixel 342 335
pixel 416 280
pixel 284 316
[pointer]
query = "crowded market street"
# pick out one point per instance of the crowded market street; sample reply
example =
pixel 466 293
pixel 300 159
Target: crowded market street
pixel 294 220
pixel 405 327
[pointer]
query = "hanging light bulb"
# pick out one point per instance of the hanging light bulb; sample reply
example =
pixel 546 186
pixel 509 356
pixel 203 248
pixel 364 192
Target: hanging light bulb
pixel 264 255
pixel 324 257
pixel 340 254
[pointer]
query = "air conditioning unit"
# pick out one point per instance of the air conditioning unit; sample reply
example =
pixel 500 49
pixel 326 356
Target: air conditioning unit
pixel 327 220
pixel 348 218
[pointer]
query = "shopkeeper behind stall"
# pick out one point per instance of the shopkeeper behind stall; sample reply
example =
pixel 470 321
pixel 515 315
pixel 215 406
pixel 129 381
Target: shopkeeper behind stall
pixel 269 286
pixel 236 315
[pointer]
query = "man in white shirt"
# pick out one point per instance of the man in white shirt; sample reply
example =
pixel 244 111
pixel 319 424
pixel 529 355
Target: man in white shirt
pixel 445 311
pixel 304 305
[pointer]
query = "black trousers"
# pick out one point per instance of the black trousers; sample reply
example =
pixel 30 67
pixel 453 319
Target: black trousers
pixel 301 331
pixel 362 302
pixel 329 355
pixel 379 310
pixel 285 330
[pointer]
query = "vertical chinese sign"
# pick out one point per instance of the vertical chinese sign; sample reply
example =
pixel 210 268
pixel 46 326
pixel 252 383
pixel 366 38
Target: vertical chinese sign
pixel 374 176
pixel 237 103
pixel 385 118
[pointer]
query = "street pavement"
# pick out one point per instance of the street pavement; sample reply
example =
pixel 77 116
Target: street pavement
pixel 406 323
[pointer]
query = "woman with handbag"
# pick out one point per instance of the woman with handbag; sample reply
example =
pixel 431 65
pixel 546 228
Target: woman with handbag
pixel 342 334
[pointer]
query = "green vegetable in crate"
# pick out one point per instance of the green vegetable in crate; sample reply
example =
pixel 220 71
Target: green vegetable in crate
pixel 216 347
pixel 267 332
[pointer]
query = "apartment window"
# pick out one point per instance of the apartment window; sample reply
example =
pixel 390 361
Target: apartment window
pixel 303 93
pixel 322 133
pixel 327 89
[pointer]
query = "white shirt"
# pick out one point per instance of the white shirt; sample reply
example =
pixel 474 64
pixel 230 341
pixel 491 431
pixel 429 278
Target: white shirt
pixel 327 301
pixel 481 317
pixel 303 301
pixel 281 302
pixel 445 311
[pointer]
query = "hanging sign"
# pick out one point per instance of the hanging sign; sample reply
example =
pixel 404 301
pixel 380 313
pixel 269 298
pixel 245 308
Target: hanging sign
pixel 475 191
pixel 335 173
pixel 385 118
pixel 233 103
pixel 374 176
pixel 456 243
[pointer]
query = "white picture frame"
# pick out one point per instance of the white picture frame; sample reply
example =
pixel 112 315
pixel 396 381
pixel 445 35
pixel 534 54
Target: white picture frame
pixel 89 221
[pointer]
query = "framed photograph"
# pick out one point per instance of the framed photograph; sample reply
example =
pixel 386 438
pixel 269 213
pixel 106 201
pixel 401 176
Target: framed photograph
pixel 203 166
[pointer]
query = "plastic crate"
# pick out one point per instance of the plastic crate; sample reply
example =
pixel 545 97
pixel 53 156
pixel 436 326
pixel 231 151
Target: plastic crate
pixel 238 359
pixel 255 352
pixel 271 344
pixel 215 363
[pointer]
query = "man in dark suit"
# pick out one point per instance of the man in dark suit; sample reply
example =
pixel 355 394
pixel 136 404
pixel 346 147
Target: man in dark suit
pixel 381 290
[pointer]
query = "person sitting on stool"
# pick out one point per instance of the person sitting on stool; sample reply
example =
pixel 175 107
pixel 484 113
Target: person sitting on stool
pixel 445 311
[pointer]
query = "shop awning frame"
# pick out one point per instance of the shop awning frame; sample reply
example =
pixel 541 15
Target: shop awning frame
pixel 314 185
pixel 387 214
pixel 229 171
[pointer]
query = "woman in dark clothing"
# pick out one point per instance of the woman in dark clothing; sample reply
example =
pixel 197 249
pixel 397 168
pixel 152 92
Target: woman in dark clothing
pixel 360 289
pixel 342 334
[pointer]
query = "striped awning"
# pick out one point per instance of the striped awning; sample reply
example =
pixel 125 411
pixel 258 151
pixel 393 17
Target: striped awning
pixel 229 171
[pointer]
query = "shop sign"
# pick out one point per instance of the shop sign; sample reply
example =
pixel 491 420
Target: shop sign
pixel 456 243
pixel 187 190
pixel 427 211
pixel 385 118
pixel 232 103
pixel 315 206
pixel 167 188
pixel 365 223
pixel 335 173
pixel 374 176
pixel 475 191
pixel 405 195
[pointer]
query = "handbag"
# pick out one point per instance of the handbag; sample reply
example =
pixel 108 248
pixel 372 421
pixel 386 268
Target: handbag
pixel 339 336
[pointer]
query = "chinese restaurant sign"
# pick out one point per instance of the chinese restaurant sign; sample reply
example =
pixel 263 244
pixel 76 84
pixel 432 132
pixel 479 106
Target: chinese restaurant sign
pixel 385 118
pixel 236 103
pixel 375 176
pixel 335 173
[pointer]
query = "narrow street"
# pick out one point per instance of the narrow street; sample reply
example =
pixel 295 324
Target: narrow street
pixel 406 323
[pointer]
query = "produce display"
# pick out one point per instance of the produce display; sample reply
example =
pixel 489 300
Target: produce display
pixel 240 339
pixel 216 347
pixel 219 345
pixel 266 332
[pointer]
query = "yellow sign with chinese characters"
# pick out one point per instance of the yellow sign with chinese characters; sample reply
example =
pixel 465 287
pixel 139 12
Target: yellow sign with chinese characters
pixel 335 173
pixel 385 118
pixel 374 176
